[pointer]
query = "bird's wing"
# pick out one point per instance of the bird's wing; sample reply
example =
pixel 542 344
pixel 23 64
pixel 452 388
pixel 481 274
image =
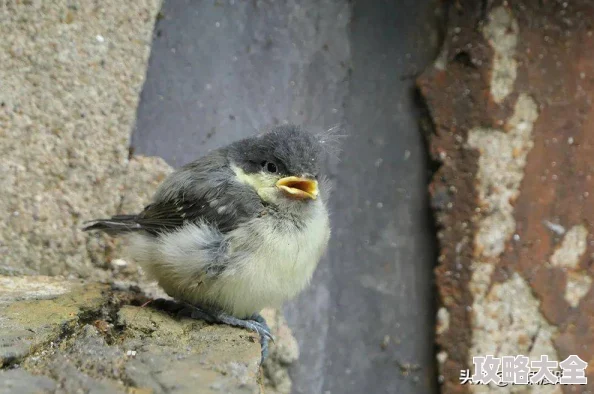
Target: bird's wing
pixel 166 216
pixel 224 204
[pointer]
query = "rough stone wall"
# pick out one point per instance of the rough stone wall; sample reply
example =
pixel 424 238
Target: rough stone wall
pixel 70 77
pixel 510 100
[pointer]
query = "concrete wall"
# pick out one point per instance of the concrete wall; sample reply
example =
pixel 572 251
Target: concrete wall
pixel 510 99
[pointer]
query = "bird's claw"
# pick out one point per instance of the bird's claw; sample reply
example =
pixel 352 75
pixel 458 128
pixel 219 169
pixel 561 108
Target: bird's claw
pixel 261 329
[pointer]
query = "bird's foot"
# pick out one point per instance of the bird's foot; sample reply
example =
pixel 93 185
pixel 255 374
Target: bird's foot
pixel 255 323
pixel 263 338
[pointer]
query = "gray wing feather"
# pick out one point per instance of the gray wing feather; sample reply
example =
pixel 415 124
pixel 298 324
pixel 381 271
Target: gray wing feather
pixel 204 190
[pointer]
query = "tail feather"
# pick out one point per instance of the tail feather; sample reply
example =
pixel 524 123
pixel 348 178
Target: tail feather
pixel 115 225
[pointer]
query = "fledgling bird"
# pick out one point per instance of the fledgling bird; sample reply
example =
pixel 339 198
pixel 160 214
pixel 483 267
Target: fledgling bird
pixel 238 230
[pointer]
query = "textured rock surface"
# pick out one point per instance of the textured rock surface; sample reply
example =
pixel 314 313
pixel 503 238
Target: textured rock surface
pixel 70 75
pixel 283 353
pixel 511 103
pixel 70 337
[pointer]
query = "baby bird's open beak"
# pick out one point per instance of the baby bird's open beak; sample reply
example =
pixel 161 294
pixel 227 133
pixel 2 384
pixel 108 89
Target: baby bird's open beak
pixel 298 188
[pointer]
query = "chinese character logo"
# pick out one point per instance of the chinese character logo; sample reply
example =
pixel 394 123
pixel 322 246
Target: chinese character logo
pixel 519 370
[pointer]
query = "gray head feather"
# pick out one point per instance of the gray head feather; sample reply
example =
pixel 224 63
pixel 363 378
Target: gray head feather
pixel 294 151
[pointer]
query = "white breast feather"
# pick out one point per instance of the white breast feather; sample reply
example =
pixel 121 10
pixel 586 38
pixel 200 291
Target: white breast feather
pixel 268 263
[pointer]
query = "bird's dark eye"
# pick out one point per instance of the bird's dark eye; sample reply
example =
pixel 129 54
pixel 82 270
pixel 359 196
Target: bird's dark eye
pixel 269 166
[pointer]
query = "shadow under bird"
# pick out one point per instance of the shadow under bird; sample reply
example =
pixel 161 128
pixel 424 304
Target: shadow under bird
pixel 238 230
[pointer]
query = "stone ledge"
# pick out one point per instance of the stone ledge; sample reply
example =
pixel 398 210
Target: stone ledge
pixel 70 336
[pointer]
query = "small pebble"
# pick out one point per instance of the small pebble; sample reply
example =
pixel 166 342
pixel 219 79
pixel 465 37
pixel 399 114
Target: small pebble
pixel 385 342
pixel 516 237
pixel 554 227
pixel 119 262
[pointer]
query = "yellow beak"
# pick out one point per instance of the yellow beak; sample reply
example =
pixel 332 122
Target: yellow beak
pixel 298 188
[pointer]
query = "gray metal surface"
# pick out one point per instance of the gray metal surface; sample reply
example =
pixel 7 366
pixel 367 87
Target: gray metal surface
pixel 223 70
